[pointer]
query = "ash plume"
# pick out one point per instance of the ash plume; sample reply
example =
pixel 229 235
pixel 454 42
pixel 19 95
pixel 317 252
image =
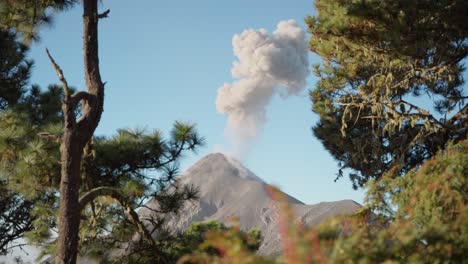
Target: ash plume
pixel 266 65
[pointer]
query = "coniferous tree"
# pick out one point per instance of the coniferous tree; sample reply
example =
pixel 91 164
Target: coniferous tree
pixel 14 69
pixel 18 20
pixel 381 59
pixel 15 218
pixel 19 102
pixel 104 179
pixel 26 17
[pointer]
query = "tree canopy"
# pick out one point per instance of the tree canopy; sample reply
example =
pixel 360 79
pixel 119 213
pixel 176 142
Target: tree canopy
pixel 26 17
pixel 391 91
pixel 15 217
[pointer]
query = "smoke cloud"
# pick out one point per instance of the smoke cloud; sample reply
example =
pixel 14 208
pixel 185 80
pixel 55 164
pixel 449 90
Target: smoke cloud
pixel 266 64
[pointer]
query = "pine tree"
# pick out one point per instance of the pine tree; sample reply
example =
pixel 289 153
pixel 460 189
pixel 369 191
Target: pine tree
pixel 14 69
pixel 26 17
pixel 41 108
pixel 380 58
pixel 15 218
pixel 50 156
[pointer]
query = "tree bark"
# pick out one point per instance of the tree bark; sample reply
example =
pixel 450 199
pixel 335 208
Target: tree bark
pixel 69 214
pixel 76 135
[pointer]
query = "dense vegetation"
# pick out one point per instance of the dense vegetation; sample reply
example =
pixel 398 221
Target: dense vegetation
pixel 390 92
pixel 391 101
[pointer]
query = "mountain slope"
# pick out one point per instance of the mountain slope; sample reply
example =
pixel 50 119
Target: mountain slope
pixel 228 189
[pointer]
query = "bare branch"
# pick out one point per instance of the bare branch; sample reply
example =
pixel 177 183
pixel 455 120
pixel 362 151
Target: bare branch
pixel 59 71
pixel 104 14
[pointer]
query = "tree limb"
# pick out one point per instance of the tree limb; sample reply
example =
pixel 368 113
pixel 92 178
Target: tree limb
pixel 82 95
pixel 104 14
pixel 91 113
pixel 421 112
pixel 117 195
pixel 460 115
pixel 59 71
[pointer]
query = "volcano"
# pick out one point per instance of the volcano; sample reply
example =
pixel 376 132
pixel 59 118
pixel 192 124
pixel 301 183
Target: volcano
pixel 227 189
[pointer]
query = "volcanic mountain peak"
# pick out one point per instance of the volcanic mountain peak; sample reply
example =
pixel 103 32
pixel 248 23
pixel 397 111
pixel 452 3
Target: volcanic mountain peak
pixel 218 162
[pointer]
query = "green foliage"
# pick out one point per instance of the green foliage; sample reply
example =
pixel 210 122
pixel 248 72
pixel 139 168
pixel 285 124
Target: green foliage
pixel 14 69
pixel 14 218
pixel 213 242
pixel 194 238
pixel 29 164
pixel 24 112
pixel 135 165
pixel 140 165
pixel 380 58
pixel 196 241
pixel 43 106
pixel 143 166
pixel 26 16
pixel 428 223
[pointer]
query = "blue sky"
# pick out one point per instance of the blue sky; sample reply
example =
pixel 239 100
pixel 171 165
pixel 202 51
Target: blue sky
pixel 165 60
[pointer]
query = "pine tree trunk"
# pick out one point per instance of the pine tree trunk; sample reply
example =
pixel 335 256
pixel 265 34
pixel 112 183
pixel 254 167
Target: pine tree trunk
pixel 76 135
pixel 69 214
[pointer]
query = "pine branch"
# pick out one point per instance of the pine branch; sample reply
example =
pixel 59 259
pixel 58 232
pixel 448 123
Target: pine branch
pixel 117 195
